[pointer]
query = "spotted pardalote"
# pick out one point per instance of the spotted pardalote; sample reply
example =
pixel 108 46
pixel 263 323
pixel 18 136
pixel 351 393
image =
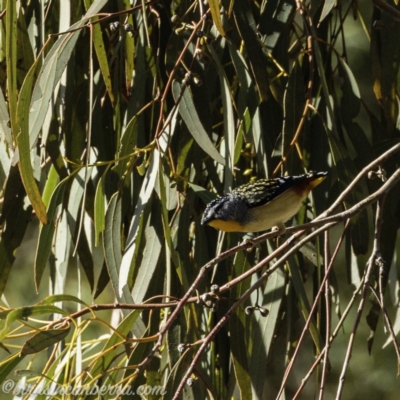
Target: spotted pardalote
pixel 260 205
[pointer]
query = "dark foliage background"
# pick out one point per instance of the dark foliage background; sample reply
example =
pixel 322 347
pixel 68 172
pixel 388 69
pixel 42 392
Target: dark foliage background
pixel 119 121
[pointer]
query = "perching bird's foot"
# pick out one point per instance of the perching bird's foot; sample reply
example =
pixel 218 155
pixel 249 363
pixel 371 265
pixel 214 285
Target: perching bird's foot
pixel 275 231
pixel 249 242
pixel 279 229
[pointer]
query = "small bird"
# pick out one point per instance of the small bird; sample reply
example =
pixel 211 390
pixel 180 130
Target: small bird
pixel 262 204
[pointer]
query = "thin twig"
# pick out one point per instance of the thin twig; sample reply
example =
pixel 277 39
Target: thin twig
pixel 371 264
pixel 350 188
pixel 334 334
pixel 392 12
pixel 106 16
pixel 306 105
pixel 312 311
pixel 160 126
pixel 328 262
pixel 389 326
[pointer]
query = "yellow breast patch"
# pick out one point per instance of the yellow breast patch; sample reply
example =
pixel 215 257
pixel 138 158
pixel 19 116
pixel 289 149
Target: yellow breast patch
pixel 227 226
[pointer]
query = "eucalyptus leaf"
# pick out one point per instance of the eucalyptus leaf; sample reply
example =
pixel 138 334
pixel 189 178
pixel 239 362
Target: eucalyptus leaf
pixel 187 109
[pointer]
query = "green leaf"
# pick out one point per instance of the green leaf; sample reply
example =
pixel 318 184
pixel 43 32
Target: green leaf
pixel 247 29
pixel 99 47
pixel 134 236
pixel 55 298
pixel 275 17
pixel 189 114
pixel 216 15
pixel 16 223
pixel 11 62
pixel 46 232
pixel 247 97
pixel 151 254
pixel 112 254
pixel 75 218
pixel 127 145
pixel 244 128
pixel 112 244
pixel 304 304
pixel 102 282
pixel 5 130
pixel 240 357
pixel 52 69
pixel 168 236
pixel 131 246
pixel 51 184
pixel 43 340
pixel 350 101
pixel 294 102
pixel 204 194
pixel 238 331
pixel 99 209
pixel 25 312
pixel 263 330
pixel 229 123
pixel 24 147
pixel 129 46
pixel 26 58
pixel 328 6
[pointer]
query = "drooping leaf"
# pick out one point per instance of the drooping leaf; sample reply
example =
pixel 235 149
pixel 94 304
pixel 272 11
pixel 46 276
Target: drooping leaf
pixel 52 69
pixel 129 50
pixel 294 103
pixel 216 15
pixel 134 236
pixel 44 339
pixel 328 6
pixel 11 62
pixel 101 54
pixel 189 114
pixel 305 308
pixel 112 241
pixel 127 145
pixel 25 312
pixel 24 146
pixel 151 254
pixel 46 233
pixel 237 326
pixel 263 330
pixel 247 30
pixel 76 216
pixel 55 298
pixel 5 132
pixel 99 209
pixel 16 223
pixel 229 124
